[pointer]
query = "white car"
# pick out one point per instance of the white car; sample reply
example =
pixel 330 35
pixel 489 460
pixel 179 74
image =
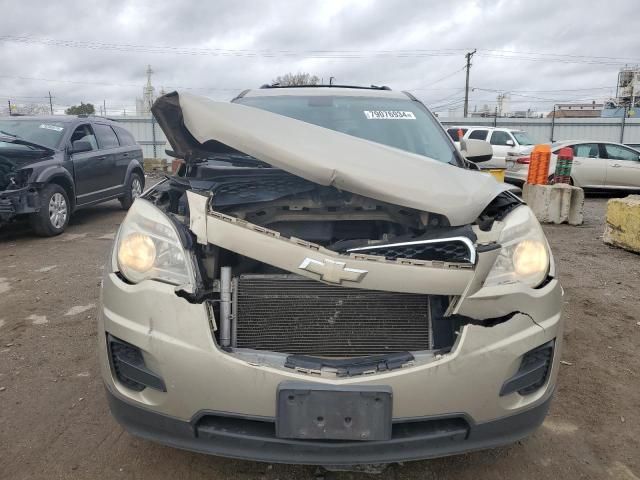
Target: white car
pixel 505 142
pixel 596 165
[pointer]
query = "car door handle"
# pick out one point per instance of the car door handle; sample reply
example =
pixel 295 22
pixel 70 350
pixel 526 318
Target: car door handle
pixel 101 158
pixel 125 154
pixel 577 162
pixel 616 165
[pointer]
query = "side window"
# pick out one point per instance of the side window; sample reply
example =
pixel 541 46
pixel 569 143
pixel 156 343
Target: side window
pixel 106 137
pixel 616 152
pixel 85 133
pixel 125 137
pixel 586 150
pixel 500 138
pixel 479 134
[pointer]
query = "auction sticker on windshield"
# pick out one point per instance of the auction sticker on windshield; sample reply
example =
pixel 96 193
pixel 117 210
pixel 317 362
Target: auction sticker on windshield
pixel 52 127
pixel 388 115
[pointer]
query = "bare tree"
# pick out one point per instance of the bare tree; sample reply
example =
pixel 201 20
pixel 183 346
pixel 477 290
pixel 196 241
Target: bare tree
pixel 293 79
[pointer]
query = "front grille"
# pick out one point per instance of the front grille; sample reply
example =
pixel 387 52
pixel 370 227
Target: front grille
pixel 127 363
pixel 450 250
pixel 291 314
pixel 533 372
pixel 121 355
pixel 6 207
pixel 539 357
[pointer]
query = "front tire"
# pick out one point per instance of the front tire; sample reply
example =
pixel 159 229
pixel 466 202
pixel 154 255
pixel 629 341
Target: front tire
pixel 134 188
pixel 53 217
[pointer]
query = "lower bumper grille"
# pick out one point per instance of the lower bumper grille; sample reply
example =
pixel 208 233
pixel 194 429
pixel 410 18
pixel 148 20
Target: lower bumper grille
pixel 291 314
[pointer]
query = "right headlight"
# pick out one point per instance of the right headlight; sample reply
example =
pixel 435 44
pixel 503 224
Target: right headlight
pixel 524 256
pixel 148 247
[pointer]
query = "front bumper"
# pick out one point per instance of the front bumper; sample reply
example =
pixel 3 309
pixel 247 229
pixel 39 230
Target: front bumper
pixel 17 202
pixel 251 439
pixel 177 344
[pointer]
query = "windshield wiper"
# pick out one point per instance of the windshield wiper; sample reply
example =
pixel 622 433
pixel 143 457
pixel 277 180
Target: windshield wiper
pixel 8 134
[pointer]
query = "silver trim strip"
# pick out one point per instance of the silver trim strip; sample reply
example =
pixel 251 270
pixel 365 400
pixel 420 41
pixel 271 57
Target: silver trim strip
pixel 465 240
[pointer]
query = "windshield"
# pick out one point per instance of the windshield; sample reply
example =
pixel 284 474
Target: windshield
pixel 522 138
pixel 399 123
pixel 42 132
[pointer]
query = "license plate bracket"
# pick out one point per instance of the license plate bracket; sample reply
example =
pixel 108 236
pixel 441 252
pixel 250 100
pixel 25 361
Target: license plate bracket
pixel 330 412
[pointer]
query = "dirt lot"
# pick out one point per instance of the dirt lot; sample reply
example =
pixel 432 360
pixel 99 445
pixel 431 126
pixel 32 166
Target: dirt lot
pixel 54 421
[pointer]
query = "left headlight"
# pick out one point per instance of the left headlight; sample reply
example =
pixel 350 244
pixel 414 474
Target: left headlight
pixel 148 247
pixel 524 256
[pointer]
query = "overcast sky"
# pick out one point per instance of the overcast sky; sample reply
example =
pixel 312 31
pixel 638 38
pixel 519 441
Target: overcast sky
pixel 542 51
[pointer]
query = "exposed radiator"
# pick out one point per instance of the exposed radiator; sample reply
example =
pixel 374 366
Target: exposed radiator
pixel 291 314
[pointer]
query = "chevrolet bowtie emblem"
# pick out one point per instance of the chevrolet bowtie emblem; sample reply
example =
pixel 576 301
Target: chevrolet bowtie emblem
pixel 332 271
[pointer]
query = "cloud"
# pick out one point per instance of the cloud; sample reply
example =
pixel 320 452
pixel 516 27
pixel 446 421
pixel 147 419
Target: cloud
pixel 406 44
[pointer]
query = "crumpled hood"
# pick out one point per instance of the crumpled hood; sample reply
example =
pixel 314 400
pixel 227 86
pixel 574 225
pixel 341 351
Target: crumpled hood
pixel 20 141
pixel 196 126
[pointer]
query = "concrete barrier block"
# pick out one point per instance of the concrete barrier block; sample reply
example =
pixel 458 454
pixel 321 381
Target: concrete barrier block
pixel 622 228
pixel 559 203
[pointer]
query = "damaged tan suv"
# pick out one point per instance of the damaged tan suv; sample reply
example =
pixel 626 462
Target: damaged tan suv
pixel 327 281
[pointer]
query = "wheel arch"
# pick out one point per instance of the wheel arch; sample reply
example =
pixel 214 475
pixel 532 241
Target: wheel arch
pixel 134 167
pixel 67 185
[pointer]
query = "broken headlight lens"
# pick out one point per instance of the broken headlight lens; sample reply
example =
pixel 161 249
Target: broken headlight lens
pixel 524 256
pixel 148 247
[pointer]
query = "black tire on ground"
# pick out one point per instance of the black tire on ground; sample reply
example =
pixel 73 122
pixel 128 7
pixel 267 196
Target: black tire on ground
pixel 133 190
pixel 55 211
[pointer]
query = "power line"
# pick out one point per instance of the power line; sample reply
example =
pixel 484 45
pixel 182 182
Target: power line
pixel 441 79
pixel 629 59
pixel 310 53
pixel 109 84
pixel 224 52
pixel 544 91
pixel 554 59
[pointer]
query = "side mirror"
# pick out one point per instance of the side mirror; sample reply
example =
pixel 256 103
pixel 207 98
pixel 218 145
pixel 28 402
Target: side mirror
pixel 476 150
pixel 80 146
pixel 510 143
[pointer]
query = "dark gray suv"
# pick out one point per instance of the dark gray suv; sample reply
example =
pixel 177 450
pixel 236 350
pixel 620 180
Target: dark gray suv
pixel 51 166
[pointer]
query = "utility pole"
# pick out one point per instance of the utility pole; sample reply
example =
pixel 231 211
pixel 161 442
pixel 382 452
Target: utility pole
pixel 104 107
pixel 9 107
pixel 466 85
pixel 50 103
pixel 624 121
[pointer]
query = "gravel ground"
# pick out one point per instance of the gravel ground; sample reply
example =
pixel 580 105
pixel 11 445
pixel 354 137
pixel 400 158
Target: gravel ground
pixel 54 421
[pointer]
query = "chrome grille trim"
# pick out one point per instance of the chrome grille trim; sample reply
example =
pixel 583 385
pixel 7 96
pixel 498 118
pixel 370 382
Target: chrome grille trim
pixel 466 241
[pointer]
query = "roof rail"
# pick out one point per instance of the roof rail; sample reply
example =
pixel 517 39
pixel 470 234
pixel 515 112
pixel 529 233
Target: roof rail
pixel 359 87
pixel 92 115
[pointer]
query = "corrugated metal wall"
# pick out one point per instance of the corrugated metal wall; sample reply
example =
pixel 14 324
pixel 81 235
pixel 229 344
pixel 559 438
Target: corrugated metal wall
pixel 144 130
pixel 606 129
